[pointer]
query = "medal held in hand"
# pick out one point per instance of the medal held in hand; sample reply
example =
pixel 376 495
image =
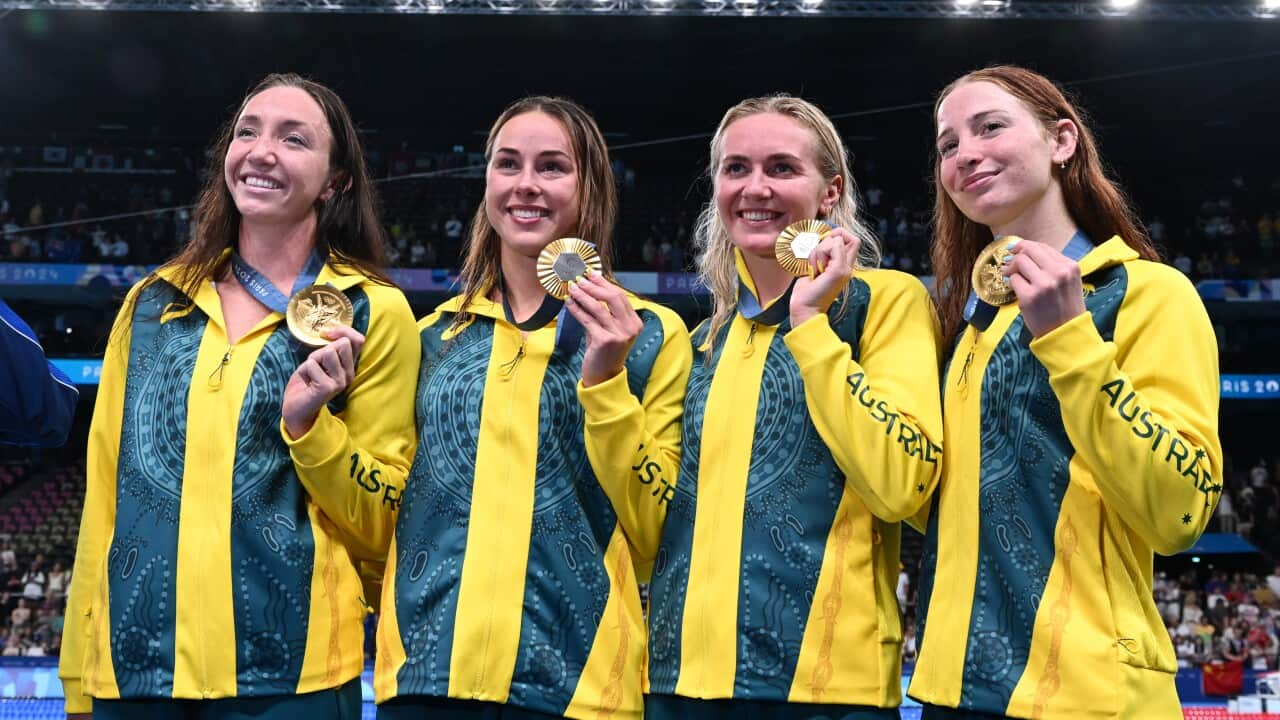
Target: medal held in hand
pixel 315 310
pixel 563 261
pixel 797 243
pixel 992 287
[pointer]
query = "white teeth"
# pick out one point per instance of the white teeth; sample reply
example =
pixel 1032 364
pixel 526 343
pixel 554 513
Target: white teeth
pixel 757 215
pixel 525 214
pixel 262 183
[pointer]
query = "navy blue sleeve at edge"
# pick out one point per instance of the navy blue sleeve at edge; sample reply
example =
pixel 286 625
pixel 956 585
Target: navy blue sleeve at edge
pixel 37 400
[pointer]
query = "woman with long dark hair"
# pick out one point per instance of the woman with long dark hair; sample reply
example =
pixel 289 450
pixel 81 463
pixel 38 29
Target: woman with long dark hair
pixel 1080 416
pixel 238 473
pixel 549 441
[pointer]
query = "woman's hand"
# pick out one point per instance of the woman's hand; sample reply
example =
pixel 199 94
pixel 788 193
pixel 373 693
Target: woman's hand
pixel 1047 283
pixel 611 323
pixel 327 371
pixel 832 263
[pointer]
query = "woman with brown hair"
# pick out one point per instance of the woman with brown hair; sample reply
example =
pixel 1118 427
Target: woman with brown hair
pixel 248 448
pixel 1080 417
pixel 550 436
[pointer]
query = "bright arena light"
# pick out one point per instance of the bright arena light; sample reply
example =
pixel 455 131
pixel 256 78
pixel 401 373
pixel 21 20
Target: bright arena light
pixel 1124 4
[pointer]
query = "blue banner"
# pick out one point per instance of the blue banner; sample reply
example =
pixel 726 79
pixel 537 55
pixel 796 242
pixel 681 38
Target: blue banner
pixel 1251 387
pixel 440 280
pixel 71 275
pixel 81 372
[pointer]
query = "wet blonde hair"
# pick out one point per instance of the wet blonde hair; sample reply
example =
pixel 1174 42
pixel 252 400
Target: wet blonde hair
pixel 717 268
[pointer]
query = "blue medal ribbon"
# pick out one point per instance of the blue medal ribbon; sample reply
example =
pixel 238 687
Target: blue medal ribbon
pixel 264 291
pixel 749 305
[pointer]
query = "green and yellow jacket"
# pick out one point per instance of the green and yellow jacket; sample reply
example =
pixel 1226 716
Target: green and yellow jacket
pixel 1071 459
pixel 803 449
pixel 217 557
pixel 531 504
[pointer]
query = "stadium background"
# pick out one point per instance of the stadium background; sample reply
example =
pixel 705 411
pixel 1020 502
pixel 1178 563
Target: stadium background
pixel 105 116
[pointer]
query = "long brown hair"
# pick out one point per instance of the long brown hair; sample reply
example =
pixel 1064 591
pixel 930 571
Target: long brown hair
pixel 1095 202
pixel 347 224
pixel 597 196
pixel 717 267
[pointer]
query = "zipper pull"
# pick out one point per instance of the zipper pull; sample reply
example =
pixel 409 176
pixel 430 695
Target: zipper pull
pixel 964 370
pixel 750 349
pixel 509 367
pixel 215 377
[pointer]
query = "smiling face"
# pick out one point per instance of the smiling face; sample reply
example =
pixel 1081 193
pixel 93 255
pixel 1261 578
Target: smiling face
pixel 531 186
pixel 277 164
pixel 995 157
pixel 769 177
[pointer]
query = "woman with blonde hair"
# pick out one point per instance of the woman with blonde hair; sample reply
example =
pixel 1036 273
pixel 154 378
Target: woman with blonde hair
pixel 1081 406
pixel 550 440
pixel 811 430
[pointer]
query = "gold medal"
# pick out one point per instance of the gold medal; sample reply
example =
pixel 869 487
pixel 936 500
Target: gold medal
pixel 316 309
pixel 797 243
pixel 563 261
pixel 992 287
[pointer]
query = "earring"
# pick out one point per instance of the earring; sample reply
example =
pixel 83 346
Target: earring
pixel 1062 165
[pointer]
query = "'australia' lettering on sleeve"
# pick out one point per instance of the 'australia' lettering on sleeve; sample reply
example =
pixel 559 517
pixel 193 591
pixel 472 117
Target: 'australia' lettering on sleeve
pixel 1190 460
pixel 913 442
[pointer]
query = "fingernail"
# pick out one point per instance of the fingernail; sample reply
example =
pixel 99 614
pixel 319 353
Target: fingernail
pixel 1006 259
pixel 1011 245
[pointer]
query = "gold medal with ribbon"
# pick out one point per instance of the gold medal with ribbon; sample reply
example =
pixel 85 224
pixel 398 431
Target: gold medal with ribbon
pixel 316 309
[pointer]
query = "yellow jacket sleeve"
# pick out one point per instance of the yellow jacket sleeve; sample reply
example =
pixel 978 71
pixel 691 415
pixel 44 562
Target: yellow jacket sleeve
pixel 354 464
pixel 634 446
pixel 88 592
pixel 1142 411
pixel 880 416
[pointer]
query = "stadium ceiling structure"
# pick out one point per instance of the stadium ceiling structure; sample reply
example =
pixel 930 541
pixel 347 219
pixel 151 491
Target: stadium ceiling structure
pixel 1129 10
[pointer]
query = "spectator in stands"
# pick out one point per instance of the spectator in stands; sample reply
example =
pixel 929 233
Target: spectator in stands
pixel 1273 581
pixel 38 400
pixel 16 643
pixel 1016 158
pixel 1183 263
pixel 20 614
pixel 9 559
pixel 909 643
pixel 1259 475
pixel 1262 645
pixel 34 579
pixel 1186 648
pixel 1156 230
pixel 1226 514
pixel 1231 646
pixel 453 231
pixel 58 579
pixel 234 522
pixel 1205 267
pixel 418 254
